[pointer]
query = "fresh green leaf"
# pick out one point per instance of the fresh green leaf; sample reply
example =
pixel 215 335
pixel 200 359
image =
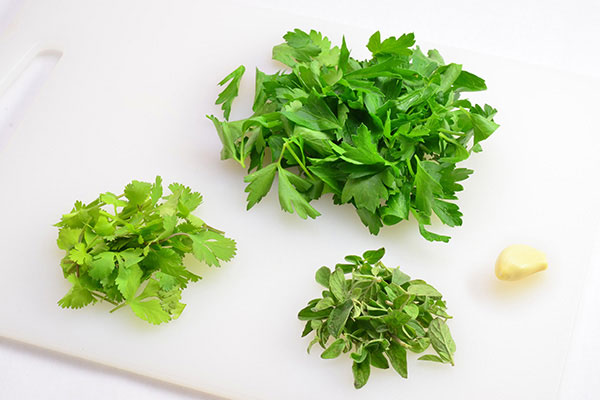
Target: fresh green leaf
pixel 423 289
pixel 431 357
pixel 150 311
pixel 396 353
pixel 384 134
pixel 338 317
pixel 334 349
pixel 441 340
pixel 68 238
pixel 128 280
pixel 79 255
pixel 212 247
pixel 378 360
pixel 322 276
pixel 231 91
pixel 372 256
pixel 77 297
pixel 400 46
pixel 259 184
pixel 120 245
pixel 376 314
pixel 102 265
pixel 337 285
pixel 137 192
pixel 361 372
pixel 290 199
pixel 399 278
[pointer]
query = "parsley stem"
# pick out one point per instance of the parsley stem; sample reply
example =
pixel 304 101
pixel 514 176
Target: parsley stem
pixel 284 148
pixel 448 131
pixel 242 160
pixel 410 169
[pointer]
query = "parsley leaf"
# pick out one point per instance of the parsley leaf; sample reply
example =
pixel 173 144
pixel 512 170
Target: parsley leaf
pixel 231 91
pixel 291 199
pixel 119 246
pixel 383 134
pixel 377 314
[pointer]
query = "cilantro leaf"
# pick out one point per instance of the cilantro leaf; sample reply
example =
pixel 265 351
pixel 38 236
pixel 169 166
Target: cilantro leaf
pixel 102 265
pixel 188 201
pixel 150 310
pixel 211 247
pixel 157 190
pixel 68 238
pixel 79 255
pixel 78 296
pixel 137 192
pixel 120 245
pixel 128 280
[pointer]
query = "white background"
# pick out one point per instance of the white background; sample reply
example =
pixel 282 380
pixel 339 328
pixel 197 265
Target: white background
pixel 559 34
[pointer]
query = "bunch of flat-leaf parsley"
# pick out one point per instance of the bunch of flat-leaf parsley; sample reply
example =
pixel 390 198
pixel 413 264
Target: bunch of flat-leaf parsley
pixel 129 249
pixel 383 134
pixel 377 313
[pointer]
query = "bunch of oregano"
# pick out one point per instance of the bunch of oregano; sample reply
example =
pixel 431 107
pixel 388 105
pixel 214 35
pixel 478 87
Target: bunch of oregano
pixel 384 134
pixel 128 249
pixel 377 313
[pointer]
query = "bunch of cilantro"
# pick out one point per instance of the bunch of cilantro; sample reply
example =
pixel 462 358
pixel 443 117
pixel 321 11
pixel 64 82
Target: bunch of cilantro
pixel 128 249
pixel 384 134
pixel 378 314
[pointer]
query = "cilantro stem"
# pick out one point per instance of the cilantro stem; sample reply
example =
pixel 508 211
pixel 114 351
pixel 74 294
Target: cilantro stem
pixel 173 235
pixel 215 230
pixel 114 217
pixel 117 307
pixel 208 227
pixel 98 295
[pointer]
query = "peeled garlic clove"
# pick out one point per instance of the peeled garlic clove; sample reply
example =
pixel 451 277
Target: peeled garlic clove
pixel 518 261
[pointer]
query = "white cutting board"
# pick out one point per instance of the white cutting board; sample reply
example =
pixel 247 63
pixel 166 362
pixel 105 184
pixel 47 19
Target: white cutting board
pixel 127 101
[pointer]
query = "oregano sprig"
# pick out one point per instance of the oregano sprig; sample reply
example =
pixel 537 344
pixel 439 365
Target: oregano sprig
pixel 378 314
pixel 128 249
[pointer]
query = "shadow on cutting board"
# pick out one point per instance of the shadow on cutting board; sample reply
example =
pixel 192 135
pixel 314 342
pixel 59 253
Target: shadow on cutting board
pixel 93 367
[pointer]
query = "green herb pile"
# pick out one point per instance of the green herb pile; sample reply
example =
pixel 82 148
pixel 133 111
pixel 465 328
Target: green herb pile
pixel 377 313
pixel 383 134
pixel 129 249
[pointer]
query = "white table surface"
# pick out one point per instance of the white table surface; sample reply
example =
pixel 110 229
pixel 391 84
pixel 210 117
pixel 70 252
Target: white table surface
pixel 555 33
